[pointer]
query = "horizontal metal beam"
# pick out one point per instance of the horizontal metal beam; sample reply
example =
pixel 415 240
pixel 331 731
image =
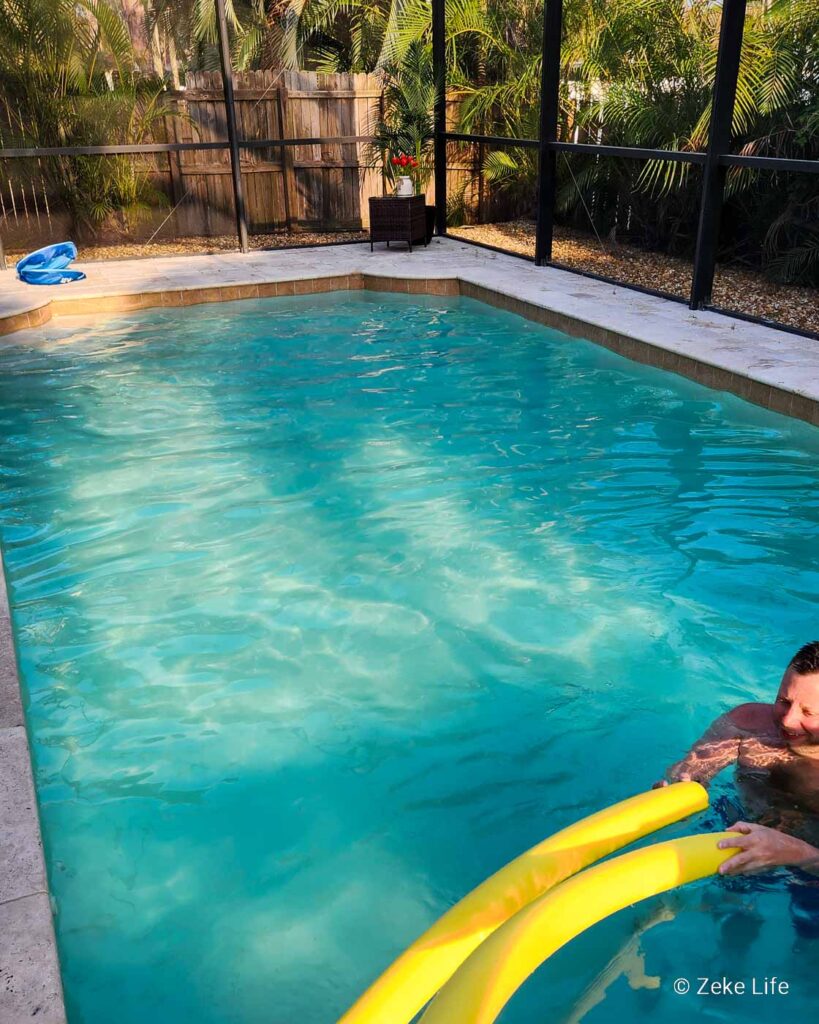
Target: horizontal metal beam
pixel 762 163
pixel 492 248
pixel 629 152
pixel 325 139
pixel 751 319
pixel 173 147
pixel 643 289
pixel 770 163
pixel 152 147
pixel 491 140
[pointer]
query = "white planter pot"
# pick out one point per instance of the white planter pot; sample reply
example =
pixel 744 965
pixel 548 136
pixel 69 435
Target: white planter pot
pixel 405 186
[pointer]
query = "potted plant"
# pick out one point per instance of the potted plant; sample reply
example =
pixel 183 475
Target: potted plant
pixel 403 135
pixel 405 167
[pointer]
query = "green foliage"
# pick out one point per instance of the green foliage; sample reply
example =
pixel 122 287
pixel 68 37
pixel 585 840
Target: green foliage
pixel 633 72
pixel 640 73
pixel 67 79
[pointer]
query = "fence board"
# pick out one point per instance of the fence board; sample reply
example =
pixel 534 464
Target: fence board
pixel 321 186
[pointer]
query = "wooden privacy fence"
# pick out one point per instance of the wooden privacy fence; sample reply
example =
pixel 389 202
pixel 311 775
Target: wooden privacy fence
pixel 323 185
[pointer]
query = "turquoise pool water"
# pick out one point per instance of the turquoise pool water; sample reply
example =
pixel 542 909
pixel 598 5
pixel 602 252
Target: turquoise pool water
pixel 328 607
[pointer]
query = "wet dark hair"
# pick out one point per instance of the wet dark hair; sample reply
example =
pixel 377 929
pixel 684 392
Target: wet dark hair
pixel 806 660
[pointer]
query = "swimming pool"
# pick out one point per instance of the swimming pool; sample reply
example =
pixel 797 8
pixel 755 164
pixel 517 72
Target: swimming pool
pixel 326 607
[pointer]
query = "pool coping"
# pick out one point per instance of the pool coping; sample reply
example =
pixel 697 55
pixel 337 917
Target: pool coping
pixel 30 982
pixel 787 399
pixel 29 965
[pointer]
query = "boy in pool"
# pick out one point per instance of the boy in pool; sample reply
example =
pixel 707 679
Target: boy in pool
pixel 776 751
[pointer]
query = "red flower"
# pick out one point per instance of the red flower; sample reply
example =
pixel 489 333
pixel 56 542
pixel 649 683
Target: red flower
pixel 395 161
pixel 414 162
pixel 404 160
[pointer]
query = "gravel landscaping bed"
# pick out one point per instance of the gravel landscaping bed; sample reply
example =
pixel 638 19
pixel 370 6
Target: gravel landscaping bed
pixel 734 288
pixel 199 245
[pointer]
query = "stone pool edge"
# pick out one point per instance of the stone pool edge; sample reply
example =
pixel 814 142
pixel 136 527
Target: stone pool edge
pixel 30 982
pixel 769 396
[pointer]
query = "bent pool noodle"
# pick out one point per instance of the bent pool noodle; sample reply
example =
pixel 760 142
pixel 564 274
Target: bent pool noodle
pixel 480 989
pixel 414 978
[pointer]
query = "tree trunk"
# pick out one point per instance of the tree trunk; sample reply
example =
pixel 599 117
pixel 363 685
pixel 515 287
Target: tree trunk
pixel 173 61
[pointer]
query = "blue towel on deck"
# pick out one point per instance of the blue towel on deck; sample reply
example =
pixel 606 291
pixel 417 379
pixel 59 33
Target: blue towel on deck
pixel 48 265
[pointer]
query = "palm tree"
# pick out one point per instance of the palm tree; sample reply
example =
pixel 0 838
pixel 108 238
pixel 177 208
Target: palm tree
pixel 406 124
pixel 67 78
pixel 640 73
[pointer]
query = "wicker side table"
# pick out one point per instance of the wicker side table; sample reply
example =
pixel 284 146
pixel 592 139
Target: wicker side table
pixel 398 219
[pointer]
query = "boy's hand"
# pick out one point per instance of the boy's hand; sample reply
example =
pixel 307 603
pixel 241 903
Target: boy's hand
pixel 762 848
pixel 683 777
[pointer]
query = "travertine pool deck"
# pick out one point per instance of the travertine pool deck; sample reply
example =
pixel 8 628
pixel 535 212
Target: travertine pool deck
pixel 772 368
pixel 30 987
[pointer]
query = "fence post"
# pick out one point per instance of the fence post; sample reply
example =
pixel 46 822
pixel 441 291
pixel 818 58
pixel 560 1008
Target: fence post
pixel 230 111
pixel 286 154
pixel 174 161
pixel 547 132
pixel 439 75
pixel 719 143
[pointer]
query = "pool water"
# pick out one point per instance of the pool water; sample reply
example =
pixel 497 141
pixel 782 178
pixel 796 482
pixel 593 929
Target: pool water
pixel 327 607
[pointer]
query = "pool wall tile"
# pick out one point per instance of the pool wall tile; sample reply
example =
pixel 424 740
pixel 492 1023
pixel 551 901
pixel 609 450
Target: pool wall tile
pixel 804 408
pixel 197 296
pixel 244 291
pixel 25 320
pixel 325 284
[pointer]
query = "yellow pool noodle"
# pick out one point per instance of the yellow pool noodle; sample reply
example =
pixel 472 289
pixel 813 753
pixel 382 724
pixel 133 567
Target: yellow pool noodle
pixel 414 978
pixel 485 983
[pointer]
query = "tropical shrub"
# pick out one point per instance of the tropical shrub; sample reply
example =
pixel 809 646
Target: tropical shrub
pixel 67 78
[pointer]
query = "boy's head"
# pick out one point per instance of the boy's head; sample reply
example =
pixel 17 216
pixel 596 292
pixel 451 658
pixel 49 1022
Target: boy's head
pixel 797 703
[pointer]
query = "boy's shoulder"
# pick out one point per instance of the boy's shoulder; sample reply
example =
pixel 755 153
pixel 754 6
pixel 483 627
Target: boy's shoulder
pixel 751 717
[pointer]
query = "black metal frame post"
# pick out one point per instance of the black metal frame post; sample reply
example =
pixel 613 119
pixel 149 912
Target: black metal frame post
pixel 547 132
pixel 719 144
pixel 233 136
pixel 439 142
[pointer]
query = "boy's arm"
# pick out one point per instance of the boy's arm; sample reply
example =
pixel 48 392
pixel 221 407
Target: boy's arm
pixel 716 749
